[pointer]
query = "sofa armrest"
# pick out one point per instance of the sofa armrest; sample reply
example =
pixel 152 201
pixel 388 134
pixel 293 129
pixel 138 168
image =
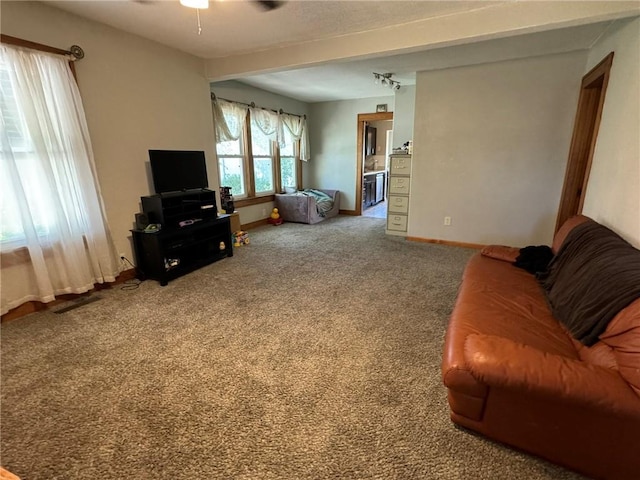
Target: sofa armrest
pixel 295 208
pixel 331 193
pixel 500 362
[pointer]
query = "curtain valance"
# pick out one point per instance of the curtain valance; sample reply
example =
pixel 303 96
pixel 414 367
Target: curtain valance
pixel 229 116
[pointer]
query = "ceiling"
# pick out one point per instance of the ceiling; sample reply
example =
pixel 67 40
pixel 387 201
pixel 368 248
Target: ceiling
pixel 239 29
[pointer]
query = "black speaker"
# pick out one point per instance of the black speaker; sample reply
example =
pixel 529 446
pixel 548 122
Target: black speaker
pixel 141 221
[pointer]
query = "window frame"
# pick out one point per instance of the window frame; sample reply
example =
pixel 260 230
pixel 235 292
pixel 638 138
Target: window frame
pixel 251 197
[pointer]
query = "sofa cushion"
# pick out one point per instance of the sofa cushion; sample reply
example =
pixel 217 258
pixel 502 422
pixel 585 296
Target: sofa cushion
pixel 501 252
pixel 594 275
pixel 564 230
pixel 623 337
pixel 497 299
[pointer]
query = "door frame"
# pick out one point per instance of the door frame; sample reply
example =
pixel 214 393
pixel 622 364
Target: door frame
pixel 583 141
pixel 362 119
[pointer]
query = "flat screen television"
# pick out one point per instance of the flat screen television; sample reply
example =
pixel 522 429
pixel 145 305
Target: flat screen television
pixel 178 170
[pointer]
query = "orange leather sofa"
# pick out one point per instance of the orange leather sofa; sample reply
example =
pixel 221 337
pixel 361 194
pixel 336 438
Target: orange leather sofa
pixel 516 375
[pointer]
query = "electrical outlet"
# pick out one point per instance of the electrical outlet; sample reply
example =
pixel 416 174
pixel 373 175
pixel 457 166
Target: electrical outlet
pixel 264 212
pixel 447 221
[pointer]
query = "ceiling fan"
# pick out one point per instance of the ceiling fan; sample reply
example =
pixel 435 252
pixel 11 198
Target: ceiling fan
pixel 266 5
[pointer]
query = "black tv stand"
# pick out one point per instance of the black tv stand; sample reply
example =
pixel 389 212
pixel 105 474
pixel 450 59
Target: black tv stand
pixel 175 250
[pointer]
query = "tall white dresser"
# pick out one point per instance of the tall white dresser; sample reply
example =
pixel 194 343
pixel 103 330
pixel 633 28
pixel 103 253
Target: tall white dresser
pixel 399 191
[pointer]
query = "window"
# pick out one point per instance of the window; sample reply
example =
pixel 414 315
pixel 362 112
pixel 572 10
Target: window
pixel 50 208
pixel 230 164
pixel 254 165
pixel 262 148
pixel 28 168
pixel 288 163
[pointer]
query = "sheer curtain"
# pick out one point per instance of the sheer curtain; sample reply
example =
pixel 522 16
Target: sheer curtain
pixel 54 237
pixel 297 127
pixel 266 121
pixel 228 118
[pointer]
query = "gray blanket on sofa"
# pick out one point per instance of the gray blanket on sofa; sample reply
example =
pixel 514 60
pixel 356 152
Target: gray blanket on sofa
pixel 324 202
pixel 594 275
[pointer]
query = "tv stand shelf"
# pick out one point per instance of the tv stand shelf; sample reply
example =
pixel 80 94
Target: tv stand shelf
pixel 173 251
pixel 172 208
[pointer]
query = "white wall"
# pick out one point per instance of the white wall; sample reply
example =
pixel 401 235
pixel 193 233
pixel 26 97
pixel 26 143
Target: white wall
pixel 403 115
pixel 333 136
pixel 490 149
pixel 240 92
pixel 137 95
pixel 613 191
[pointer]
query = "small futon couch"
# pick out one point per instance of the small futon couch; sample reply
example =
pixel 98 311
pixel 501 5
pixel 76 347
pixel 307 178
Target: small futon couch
pixel 308 206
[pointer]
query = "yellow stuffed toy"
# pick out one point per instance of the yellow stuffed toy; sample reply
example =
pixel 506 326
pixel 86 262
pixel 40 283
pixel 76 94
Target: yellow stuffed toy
pixel 274 218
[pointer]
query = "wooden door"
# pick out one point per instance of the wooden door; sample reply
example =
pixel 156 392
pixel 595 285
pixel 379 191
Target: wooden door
pixel 583 141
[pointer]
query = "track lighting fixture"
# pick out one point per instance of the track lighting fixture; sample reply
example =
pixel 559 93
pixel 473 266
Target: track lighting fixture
pixel 386 80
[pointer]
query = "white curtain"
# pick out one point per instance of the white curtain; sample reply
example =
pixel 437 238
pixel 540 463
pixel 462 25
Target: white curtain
pixel 266 121
pixel 228 118
pixel 54 237
pixel 297 127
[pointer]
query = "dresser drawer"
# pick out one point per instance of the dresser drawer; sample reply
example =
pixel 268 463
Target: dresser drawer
pixel 398 204
pixel 400 165
pixel 397 222
pixel 399 185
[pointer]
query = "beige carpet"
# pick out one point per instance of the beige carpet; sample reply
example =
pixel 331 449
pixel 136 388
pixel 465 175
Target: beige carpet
pixel 313 353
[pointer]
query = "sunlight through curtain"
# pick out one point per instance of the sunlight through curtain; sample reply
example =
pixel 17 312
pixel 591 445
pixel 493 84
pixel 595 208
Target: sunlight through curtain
pixel 54 237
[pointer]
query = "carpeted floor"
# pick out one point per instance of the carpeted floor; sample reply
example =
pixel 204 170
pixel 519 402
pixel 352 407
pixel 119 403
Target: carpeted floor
pixel 313 353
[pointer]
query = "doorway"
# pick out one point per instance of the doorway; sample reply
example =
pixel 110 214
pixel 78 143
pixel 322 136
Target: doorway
pixel 365 120
pixel 583 141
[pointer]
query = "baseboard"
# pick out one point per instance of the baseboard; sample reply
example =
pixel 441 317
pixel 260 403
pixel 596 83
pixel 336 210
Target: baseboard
pixel 451 243
pixel 35 306
pixel 258 223
pixel 348 212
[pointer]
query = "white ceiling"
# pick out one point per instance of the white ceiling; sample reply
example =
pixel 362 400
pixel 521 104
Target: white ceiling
pixel 354 79
pixel 232 27
pixel 239 29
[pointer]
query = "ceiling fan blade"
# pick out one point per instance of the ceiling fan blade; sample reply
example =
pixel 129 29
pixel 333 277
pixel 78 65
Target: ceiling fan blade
pixel 268 5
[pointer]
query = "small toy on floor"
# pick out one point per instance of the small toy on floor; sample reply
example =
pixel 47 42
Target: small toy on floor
pixel 275 218
pixel 240 238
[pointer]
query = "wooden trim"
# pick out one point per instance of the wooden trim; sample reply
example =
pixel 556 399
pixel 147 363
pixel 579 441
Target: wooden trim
pixel 19 42
pixel 246 202
pixel 257 223
pixel 362 118
pixel 35 306
pixel 348 212
pixel 19 256
pixel 298 166
pixel 583 140
pixel 375 117
pixel 450 243
pixel 598 79
pixel 249 180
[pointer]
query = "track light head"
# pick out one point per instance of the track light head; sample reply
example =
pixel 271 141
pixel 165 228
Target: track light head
pixel 386 80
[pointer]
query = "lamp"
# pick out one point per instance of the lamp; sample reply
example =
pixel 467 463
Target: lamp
pixel 201 4
pixel 386 80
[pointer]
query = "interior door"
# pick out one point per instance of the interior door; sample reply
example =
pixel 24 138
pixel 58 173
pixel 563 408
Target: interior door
pixel 583 141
